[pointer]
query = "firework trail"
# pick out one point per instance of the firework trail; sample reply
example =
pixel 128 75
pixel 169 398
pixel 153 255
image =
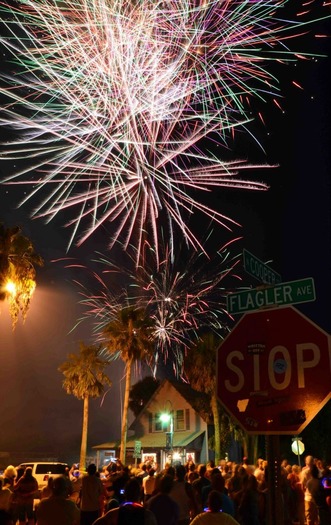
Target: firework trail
pixel 118 106
pixel 181 298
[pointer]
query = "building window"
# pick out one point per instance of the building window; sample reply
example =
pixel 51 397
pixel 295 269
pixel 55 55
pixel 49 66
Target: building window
pixel 155 423
pixel 180 420
pixel 158 425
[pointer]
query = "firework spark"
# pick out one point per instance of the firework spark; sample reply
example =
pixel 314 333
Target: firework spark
pixel 118 106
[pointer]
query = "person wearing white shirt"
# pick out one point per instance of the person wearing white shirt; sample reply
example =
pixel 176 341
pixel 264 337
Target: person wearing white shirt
pixel 149 484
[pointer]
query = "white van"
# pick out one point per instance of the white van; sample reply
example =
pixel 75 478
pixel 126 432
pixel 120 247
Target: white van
pixel 43 470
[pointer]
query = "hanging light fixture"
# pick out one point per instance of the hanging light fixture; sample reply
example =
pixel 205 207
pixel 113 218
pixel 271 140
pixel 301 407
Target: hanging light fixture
pixel 17 271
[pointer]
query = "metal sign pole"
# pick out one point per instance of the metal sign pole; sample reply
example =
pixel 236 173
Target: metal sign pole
pixel 275 512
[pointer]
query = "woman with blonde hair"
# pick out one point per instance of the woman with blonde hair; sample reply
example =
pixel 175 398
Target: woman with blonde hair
pixel 9 476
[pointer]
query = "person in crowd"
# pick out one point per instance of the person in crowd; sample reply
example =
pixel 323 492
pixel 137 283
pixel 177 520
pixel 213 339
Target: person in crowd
pixel 217 482
pixel 74 472
pixel 131 511
pixel 91 493
pixel 311 514
pixel 236 485
pixel 183 494
pixel 25 491
pixel 284 463
pixel 15 497
pixel 226 473
pixel 246 465
pixel 5 504
pixel 191 472
pixel 148 484
pixel 108 482
pixel 210 466
pixel 321 467
pixel 47 491
pixel 169 469
pixel 198 484
pixel 119 482
pixel 142 471
pixel 76 487
pixel 57 509
pixel 9 476
pixel 236 480
pixel 248 512
pixel 296 499
pixel 319 511
pixel 165 509
pixel 285 489
pixel 214 514
pixel 259 471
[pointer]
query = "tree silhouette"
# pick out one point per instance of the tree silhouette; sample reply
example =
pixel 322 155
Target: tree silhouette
pixel 141 392
pixel 84 378
pixel 200 367
pixel 129 337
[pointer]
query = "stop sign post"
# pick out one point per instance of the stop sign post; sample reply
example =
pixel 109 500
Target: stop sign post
pixel 274 371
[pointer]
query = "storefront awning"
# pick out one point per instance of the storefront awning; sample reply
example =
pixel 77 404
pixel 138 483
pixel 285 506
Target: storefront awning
pixel 155 440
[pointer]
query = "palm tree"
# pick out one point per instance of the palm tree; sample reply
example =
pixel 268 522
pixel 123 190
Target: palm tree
pixel 18 259
pixel 200 366
pixel 200 369
pixel 129 337
pixel 84 377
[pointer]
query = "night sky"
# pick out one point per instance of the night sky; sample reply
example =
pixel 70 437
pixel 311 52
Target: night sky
pixel 289 226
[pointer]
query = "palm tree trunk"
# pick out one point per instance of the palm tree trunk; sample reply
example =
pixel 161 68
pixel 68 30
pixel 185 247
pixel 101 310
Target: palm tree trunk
pixel 83 446
pixel 252 448
pixel 217 428
pixel 124 430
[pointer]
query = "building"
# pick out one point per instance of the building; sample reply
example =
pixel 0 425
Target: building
pixel 170 427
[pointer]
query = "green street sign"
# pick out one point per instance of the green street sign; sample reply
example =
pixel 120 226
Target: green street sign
pixel 292 292
pixel 259 269
pixel 137 449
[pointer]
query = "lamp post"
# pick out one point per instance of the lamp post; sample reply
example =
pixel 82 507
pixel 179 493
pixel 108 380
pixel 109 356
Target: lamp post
pixel 167 417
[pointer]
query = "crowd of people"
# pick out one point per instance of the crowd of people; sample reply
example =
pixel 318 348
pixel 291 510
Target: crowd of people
pixel 205 494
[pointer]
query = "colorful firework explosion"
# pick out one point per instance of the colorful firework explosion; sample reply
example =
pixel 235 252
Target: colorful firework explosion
pixel 117 106
pixel 181 298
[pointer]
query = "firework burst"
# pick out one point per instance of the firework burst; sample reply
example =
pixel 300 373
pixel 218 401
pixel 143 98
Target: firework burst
pixel 117 106
pixel 181 298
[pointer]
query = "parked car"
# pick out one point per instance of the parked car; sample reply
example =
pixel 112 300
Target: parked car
pixel 43 470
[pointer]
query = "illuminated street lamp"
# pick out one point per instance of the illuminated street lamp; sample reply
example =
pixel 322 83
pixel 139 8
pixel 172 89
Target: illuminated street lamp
pixel 18 291
pixel 167 418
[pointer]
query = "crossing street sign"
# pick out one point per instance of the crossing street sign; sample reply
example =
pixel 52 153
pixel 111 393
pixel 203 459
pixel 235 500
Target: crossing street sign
pixel 259 269
pixel 292 292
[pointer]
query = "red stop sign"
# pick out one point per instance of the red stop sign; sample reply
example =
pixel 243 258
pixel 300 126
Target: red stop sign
pixel 274 371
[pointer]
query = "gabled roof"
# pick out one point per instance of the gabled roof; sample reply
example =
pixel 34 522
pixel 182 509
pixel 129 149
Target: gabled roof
pixel 196 399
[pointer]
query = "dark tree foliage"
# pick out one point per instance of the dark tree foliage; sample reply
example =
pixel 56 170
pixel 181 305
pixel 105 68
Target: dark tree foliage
pixel 141 392
pixel 316 436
